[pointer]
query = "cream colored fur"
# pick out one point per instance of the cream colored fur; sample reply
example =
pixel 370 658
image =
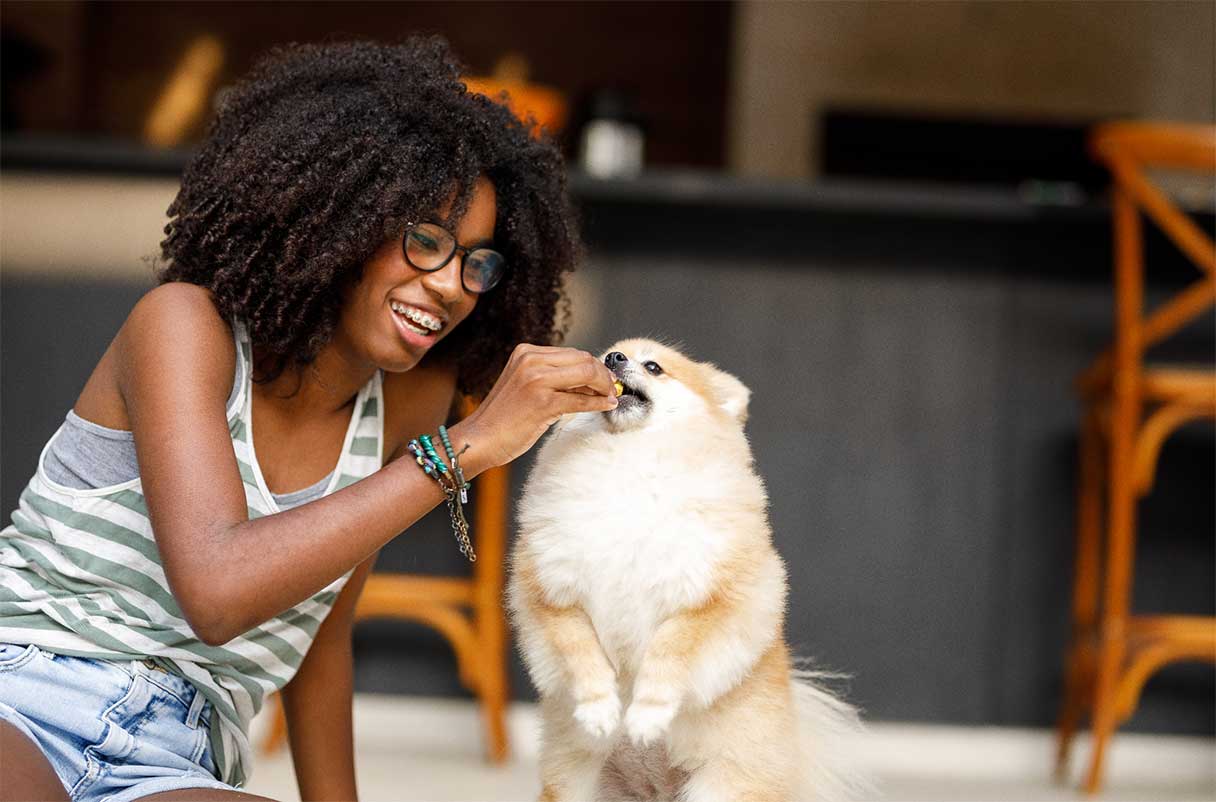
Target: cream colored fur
pixel 649 604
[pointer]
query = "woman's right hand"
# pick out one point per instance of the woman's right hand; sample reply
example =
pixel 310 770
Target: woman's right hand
pixel 538 385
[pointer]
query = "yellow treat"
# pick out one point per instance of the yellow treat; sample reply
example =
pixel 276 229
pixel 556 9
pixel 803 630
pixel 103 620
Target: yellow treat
pixel 620 388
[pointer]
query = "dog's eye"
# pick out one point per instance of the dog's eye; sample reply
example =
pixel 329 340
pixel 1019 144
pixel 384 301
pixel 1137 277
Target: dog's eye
pixel 653 368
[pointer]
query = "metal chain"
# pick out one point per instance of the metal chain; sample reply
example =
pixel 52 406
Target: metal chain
pixel 460 525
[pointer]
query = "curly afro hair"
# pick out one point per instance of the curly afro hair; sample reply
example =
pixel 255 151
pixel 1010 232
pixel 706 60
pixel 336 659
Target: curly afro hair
pixel 324 151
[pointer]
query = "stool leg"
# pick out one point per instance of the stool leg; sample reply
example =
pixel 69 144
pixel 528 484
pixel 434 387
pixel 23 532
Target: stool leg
pixel 1112 643
pixel 1116 595
pixel 1079 665
pixel 494 684
pixel 1110 659
pixel 488 611
pixel 1121 520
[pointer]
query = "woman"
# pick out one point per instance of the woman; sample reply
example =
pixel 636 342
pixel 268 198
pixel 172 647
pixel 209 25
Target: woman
pixel 357 239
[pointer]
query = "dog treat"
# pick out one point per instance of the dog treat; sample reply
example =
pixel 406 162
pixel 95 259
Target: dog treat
pixel 620 388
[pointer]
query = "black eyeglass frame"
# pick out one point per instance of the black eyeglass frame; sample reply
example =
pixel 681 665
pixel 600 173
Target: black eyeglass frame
pixel 456 247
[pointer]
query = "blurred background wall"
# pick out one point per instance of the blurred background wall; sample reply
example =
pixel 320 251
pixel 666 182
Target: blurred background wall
pixel 1063 60
pixel 880 216
pixel 99 67
pixel 743 85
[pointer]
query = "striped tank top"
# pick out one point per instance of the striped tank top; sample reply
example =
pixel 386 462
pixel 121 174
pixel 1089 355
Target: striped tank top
pixel 80 574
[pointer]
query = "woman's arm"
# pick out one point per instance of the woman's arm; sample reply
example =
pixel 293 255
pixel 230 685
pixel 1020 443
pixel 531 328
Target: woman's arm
pixel 317 703
pixel 229 573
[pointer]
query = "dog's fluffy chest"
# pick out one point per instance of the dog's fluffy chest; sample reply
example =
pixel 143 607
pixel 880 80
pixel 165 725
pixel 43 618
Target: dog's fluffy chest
pixel 630 550
pixel 628 574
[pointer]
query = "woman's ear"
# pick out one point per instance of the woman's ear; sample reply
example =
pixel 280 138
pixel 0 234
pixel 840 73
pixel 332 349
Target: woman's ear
pixel 731 394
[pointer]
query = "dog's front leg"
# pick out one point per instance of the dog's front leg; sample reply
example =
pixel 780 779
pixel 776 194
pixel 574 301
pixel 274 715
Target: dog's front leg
pixel 663 675
pixel 699 654
pixel 597 706
pixel 565 657
pixel 580 706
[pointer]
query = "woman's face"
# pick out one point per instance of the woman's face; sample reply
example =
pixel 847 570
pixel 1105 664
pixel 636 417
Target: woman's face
pixel 389 316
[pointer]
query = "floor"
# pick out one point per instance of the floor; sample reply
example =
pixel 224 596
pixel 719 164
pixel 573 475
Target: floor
pixel 412 749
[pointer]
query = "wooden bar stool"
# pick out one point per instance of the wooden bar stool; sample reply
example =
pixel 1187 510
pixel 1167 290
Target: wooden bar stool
pixel 468 612
pixel 1130 407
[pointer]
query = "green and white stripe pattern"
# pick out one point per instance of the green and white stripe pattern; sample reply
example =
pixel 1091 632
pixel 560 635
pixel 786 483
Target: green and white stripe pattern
pixel 80 574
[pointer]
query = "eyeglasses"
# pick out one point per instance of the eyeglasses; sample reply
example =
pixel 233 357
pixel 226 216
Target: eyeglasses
pixel 429 246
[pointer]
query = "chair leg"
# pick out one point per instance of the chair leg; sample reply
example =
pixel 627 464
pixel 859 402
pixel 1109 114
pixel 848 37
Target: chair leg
pixel 1079 664
pixel 1110 658
pixel 1116 595
pixel 489 615
pixel 1112 649
pixel 493 688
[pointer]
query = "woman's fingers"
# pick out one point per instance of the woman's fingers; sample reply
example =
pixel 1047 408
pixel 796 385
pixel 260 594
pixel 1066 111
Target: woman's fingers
pixel 569 356
pixel 579 402
pixel 553 366
pixel 538 385
pixel 524 348
pixel 581 375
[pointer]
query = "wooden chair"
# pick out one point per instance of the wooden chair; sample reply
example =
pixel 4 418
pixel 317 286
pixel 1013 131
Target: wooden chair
pixel 468 612
pixel 1130 407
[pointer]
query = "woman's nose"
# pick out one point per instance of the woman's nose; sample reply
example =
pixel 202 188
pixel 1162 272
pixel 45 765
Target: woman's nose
pixel 445 282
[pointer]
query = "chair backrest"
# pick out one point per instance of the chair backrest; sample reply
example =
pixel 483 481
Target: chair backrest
pixel 1128 149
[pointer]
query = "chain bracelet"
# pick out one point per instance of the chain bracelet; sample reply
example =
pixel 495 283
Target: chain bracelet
pixel 460 524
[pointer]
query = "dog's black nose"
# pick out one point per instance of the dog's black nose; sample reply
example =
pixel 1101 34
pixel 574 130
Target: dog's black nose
pixel 615 358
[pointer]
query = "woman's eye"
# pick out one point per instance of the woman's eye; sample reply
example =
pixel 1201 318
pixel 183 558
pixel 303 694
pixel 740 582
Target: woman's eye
pixel 653 368
pixel 423 241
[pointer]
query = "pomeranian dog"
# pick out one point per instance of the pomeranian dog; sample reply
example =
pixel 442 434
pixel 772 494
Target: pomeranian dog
pixel 649 603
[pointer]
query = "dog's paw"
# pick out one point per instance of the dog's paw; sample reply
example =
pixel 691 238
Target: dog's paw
pixel 646 722
pixel 600 716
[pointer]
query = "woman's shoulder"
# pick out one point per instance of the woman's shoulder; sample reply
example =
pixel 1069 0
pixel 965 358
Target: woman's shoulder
pixel 171 326
pixel 192 305
pixel 178 315
pixel 177 326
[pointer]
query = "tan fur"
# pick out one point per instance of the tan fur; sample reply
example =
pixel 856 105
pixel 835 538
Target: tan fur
pixel 704 709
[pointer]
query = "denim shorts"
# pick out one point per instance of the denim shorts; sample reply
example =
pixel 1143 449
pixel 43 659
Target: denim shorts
pixel 113 731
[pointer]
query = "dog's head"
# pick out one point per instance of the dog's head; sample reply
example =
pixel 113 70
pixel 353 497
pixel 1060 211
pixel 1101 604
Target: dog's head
pixel 664 388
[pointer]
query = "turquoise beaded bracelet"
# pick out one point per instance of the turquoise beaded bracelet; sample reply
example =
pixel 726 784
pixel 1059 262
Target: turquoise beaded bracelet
pixel 455 489
pixel 455 458
pixel 430 452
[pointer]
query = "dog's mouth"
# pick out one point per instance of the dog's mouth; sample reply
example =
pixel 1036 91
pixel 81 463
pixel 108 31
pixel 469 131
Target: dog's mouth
pixel 631 405
pixel 632 395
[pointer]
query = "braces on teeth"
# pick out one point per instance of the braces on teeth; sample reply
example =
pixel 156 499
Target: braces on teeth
pixel 421 318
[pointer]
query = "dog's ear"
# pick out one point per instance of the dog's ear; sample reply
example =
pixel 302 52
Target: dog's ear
pixel 731 394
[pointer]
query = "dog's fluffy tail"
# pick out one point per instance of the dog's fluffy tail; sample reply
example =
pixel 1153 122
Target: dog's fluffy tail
pixel 830 734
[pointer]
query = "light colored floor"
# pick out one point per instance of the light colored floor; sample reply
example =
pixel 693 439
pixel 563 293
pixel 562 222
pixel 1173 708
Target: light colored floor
pixel 411 750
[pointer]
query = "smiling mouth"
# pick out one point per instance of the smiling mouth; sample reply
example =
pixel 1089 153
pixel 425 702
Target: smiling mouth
pixel 416 320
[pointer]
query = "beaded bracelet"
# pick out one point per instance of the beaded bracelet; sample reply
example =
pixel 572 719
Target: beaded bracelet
pixel 455 458
pixel 455 494
pixel 429 447
pixel 421 458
